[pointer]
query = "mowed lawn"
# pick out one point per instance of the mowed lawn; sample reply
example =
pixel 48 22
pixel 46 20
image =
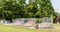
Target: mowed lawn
pixel 4 28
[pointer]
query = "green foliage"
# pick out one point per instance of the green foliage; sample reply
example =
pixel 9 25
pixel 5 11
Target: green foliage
pixel 39 20
pixel 20 9
pixel 8 14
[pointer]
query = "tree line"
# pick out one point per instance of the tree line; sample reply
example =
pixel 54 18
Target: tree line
pixel 10 9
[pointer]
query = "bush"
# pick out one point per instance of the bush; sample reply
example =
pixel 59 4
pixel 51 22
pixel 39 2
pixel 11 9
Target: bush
pixel 38 20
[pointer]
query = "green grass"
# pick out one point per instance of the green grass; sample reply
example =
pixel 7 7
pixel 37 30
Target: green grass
pixel 4 28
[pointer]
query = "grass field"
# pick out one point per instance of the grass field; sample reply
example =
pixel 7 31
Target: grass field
pixel 4 28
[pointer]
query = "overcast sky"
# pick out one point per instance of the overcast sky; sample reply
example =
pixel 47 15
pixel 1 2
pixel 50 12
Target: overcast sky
pixel 56 5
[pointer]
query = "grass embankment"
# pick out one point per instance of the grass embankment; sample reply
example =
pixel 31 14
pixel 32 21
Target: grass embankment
pixel 4 28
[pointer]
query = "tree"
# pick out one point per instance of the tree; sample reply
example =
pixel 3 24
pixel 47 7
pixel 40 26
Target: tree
pixel 8 15
pixel 34 8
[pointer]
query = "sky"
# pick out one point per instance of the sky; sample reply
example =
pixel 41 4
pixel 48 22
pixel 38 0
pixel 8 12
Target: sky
pixel 56 5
